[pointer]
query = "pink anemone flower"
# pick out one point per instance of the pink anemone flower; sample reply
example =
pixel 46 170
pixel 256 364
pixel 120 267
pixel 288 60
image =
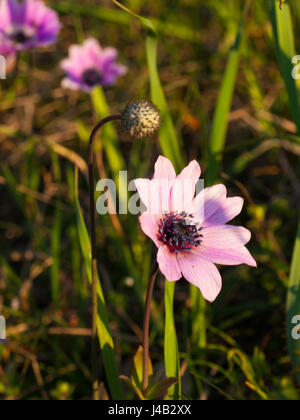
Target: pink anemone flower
pixel 90 65
pixel 191 232
pixel 27 24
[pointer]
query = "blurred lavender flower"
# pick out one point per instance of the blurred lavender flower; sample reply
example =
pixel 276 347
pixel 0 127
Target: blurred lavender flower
pixel 90 65
pixel 28 24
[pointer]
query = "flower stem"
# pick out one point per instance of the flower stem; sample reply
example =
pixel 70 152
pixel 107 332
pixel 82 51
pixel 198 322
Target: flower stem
pixel 146 328
pixel 94 251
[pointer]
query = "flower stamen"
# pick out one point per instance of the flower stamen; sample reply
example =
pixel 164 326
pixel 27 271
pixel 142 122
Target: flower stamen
pixel 180 232
pixel 92 77
pixel 20 34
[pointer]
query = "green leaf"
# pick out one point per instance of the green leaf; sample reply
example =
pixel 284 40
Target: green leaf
pixel 172 360
pixel 137 370
pixel 285 46
pixel 281 3
pixel 242 360
pixel 293 307
pixel 199 318
pixel 159 390
pixel 104 333
pixel 167 136
pixel 146 22
pixel 220 119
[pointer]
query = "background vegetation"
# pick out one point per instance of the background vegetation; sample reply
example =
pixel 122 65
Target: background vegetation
pixel 241 125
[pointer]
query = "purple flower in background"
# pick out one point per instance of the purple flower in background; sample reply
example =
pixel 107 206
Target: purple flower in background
pixel 28 24
pixel 90 65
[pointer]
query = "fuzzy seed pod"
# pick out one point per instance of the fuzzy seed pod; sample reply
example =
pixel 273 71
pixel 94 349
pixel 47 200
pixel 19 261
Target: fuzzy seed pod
pixel 141 119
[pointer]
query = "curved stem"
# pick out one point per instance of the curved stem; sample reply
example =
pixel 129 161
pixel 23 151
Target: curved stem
pixel 146 329
pixel 94 251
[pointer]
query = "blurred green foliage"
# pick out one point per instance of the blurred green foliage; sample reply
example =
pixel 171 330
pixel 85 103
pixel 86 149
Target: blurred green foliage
pixel 44 287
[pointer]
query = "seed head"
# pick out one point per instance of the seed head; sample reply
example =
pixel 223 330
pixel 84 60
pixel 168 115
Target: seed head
pixel 141 119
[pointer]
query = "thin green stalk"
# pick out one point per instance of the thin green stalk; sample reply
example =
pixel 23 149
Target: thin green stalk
pixel 171 350
pixel 199 313
pixel 94 250
pixel 146 328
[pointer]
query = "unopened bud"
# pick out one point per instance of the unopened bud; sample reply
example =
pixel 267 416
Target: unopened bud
pixel 141 119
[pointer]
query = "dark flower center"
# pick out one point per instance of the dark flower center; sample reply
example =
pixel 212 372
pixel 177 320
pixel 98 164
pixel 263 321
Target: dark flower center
pixel 20 34
pixel 92 77
pixel 180 232
pixel 20 37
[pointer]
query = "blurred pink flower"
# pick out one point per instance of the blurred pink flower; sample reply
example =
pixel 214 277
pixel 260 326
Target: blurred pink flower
pixel 191 232
pixel 28 24
pixel 90 65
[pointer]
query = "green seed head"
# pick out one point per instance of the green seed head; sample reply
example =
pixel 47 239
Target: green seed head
pixel 141 119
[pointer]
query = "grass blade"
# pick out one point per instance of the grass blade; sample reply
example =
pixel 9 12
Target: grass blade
pixel 202 378
pixel 164 26
pixel 293 307
pixel 220 120
pixel 168 139
pixel 172 360
pixel 285 46
pixel 104 333
pixel 199 317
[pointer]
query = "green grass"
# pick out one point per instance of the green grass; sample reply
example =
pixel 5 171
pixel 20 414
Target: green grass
pixel 220 73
